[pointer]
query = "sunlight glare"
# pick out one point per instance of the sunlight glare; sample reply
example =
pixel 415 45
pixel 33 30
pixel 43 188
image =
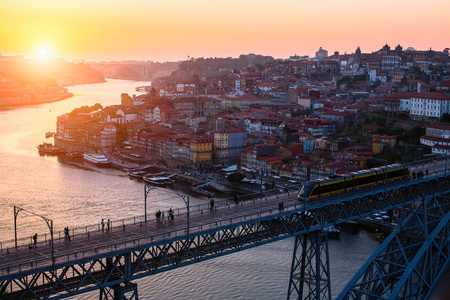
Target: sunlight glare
pixel 44 52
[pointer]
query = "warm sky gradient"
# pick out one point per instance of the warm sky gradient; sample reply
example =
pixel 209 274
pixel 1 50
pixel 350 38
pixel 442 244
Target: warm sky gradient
pixel 161 30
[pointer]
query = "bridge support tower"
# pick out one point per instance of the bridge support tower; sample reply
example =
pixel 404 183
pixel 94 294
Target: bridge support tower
pixel 120 292
pixel 310 270
pixel 124 291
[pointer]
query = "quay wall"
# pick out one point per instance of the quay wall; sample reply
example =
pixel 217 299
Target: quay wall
pixel 75 145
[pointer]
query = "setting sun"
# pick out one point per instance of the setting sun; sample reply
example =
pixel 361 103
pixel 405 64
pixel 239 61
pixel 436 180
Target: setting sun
pixel 43 52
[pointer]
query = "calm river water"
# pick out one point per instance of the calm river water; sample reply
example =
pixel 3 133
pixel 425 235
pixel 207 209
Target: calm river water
pixel 75 196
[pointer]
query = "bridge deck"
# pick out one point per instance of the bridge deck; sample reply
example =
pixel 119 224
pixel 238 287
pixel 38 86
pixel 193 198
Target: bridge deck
pixel 96 244
pixel 120 239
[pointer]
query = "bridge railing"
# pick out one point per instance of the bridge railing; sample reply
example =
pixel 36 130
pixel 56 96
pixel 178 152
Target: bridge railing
pixel 139 220
pixel 22 243
pixel 26 242
pixel 179 231
pixel 113 247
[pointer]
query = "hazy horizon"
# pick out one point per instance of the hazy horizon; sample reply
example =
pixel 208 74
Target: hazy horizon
pixel 172 30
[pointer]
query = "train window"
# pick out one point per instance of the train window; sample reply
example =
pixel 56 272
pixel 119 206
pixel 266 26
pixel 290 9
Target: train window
pixel 363 180
pixel 397 173
pixel 332 187
pixel 381 176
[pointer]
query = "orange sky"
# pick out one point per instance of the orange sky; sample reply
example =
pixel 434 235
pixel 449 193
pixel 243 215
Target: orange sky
pixel 160 30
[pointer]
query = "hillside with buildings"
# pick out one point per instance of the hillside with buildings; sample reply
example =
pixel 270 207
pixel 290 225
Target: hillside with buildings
pixel 279 120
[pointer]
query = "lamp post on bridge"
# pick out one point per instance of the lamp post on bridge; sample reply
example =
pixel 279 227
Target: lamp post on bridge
pixel 446 156
pixel 47 221
pixel 186 202
pixel 147 189
pixel 261 181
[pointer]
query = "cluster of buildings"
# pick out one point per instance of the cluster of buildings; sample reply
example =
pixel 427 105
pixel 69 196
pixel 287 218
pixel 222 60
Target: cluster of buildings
pixel 273 120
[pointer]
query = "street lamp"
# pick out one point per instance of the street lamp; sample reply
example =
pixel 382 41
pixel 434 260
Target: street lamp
pixel 261 181
pixel 186 202
pixel 446 155
pixel 47 220
pixel 344 158
pixel 147 189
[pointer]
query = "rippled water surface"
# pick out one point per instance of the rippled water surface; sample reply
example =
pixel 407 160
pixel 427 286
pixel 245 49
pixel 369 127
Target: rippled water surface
pixel 74 196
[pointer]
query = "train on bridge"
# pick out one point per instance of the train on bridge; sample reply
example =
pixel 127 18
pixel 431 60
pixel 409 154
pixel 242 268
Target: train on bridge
pixel 352 181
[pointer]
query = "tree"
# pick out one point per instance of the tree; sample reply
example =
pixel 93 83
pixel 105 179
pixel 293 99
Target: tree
pixel 402 115
pixel 85 109
pixel 235 177
pixel 445 118
pixel 414 134
pixel 301 112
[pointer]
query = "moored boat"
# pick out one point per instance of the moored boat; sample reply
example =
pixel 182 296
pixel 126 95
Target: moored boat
pixel 150 175
pixel 136 174
pixel 332 232
pixel 201 191
pixel 74 155
pixel 48 148
pixel 159 181
pixel 49 134
pixel 98 160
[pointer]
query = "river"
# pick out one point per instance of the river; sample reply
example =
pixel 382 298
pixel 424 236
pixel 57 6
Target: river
pixel 75 196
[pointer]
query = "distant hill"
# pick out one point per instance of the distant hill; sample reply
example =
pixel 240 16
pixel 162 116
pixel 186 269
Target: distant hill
pixel 205 66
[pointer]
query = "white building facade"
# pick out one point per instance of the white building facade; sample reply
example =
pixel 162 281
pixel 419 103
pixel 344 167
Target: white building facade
pixel 429 105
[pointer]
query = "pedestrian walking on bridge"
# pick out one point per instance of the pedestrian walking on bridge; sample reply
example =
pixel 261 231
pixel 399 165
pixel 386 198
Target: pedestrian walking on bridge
pixel 34 239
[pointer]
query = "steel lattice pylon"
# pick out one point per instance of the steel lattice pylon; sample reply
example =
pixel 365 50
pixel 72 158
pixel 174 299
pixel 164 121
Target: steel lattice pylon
pixel 411 261
pixel 120 292
pixel 310 271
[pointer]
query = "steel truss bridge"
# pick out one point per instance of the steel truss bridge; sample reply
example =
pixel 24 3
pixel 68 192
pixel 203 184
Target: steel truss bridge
pixel 407 265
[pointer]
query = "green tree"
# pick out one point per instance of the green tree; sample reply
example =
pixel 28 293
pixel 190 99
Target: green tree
pixel 301 112
pixel 235 177
pixel 445 118
pixel 415 133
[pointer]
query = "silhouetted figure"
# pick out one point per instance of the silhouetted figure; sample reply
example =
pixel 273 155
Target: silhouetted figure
pixel 211 204
pixel 67 233
pixel 108 224
pixel 236 199
pixel 34 239
pixel 103 225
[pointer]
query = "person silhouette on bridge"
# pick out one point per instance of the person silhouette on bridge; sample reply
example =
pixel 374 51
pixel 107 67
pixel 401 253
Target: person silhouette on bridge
pixel 211 204
pixel 34 239
pixel 108 224
pixel 103 224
